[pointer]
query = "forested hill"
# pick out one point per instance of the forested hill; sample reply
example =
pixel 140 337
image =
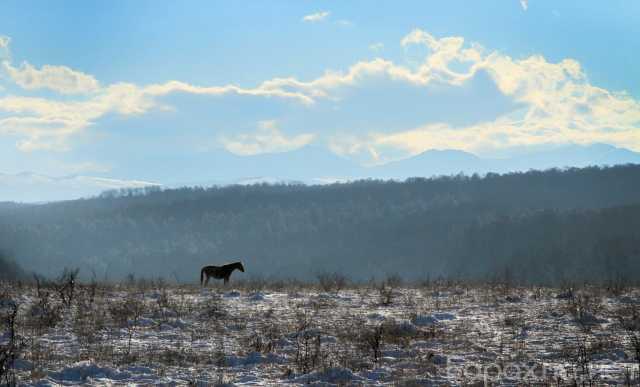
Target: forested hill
pixel 9 270
pixel 541 225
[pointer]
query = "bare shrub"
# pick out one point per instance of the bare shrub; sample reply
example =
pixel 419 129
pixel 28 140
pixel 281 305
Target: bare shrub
pixel 10 350
pixel 253 284
pixel 629 318
pixel 398 332
pixel 332 282
pixel 264 339
pixel 385 294
pixel 308 350
pixel 212 308
pixel 44 312
pixel 386 289
pixel 66 285
pixel 372 338
pixel 579 355
pixel 394 281
pixel 126 314
pixel 89 318
pixel 585 308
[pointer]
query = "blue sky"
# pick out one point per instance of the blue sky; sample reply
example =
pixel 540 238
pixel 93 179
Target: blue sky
pixel 90 87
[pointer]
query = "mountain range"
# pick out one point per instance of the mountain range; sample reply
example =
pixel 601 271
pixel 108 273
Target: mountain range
pixel 308 165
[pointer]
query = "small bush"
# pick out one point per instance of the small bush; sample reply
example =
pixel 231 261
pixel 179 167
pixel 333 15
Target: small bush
pixel 332 282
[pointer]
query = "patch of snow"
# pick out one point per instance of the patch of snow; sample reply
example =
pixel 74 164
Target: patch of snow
pixel 336 375
pixel 444 316
pixel 84 370
pixel 144 322
pixel 232 294
pixel 258 296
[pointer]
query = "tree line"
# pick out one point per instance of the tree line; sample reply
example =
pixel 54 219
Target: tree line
pixel 537 226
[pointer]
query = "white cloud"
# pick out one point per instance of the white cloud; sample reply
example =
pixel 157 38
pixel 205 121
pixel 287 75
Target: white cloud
pixel 5 41
pixel 316 17
pixel 524 4
pixel 106 183
pixel 263 90
pixel 61 79
pixel 561 106
pixel 523 128
pixel 45 124
pixel 558 104
pixel 266 139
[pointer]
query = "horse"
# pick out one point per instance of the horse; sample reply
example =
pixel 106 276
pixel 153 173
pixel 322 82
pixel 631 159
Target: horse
pixel 219 272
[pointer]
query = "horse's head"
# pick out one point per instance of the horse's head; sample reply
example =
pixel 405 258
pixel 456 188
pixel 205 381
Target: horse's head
pixel 240 267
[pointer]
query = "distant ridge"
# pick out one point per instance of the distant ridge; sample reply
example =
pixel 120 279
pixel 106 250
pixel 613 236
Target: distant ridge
pixel 547 226
pixel 431 163
pixel 34 187
pixel 311 164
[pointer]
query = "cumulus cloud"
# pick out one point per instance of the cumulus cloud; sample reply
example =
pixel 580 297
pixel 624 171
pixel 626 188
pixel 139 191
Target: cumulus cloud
pixel 61 79
pixel 557 103
pixel 560 105
pixel 268 138
pixel 46 123
pixel 316 17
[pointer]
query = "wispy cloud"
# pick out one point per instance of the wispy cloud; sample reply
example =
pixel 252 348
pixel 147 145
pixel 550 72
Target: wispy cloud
pixel 557 103
pixel 268 138
pixel 524 4
pixel 316 17
pixel 376 47
pixel 61 79
pixel 560 105
pixel 5 41
pixel 344 23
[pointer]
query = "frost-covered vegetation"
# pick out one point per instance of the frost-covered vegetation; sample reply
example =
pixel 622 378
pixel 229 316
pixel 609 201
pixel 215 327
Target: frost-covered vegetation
pixel 331 332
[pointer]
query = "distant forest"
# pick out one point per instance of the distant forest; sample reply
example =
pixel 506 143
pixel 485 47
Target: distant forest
pixel 538 227
pixel 9 270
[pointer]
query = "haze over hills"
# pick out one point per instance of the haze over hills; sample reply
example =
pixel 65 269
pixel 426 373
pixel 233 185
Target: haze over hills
pixel 32 187
pixel 309 165
pixel 547 226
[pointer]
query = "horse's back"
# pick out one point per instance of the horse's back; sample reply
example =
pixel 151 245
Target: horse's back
pixel 215 271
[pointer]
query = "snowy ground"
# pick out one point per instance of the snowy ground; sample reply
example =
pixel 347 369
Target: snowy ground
pixel 430 335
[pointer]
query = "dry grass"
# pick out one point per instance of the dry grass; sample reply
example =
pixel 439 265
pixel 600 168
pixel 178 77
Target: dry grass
pixel 289 329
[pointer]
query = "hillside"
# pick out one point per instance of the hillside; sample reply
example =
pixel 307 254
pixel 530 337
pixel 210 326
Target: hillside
pixel 311 164
pixel 9 269
pixel 541 225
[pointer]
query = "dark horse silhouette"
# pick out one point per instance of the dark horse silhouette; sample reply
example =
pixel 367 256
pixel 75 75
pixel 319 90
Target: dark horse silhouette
pixel 219 272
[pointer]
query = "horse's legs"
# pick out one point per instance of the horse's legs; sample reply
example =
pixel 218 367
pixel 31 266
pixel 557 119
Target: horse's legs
pixel 226 280
pixel 206 281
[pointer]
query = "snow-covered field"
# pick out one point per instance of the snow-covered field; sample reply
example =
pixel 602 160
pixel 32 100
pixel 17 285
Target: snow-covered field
pixel 436 334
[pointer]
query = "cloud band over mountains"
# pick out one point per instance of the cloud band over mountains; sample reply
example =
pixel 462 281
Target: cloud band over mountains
pixel 46 106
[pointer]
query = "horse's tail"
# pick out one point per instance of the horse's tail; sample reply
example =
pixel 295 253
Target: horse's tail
pixel 202 276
